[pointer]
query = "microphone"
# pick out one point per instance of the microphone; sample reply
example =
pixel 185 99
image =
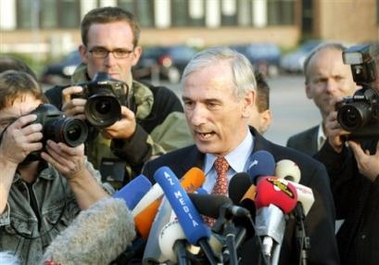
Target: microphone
pixel 242 193
pixel 173 243
pixel 290 171
pixel 227 214
pixel 193 226
pixel 133 192
pixel 238 186
pixel 152 253
pixel 275 197
pixel 97 235
pixel 146 210
pixel 262 164
pixel 210 205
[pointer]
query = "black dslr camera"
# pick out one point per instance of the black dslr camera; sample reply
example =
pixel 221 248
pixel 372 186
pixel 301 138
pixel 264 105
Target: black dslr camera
pixel 57 127
pixel 359 114
pixel 104 96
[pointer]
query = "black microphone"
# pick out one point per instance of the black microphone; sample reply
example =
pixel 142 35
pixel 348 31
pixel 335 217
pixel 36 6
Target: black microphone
pixel 96 236
pixel 211 204
pixel 238 186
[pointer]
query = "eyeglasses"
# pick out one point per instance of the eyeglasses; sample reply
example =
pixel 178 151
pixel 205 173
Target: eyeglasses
pixel 103 53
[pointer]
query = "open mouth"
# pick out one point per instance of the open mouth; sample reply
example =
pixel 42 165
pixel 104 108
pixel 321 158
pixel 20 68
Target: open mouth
pixel 206 135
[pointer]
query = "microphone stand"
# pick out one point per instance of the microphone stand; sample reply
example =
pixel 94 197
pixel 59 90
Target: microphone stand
pixel 304 240
pixel 231 249
pixel 181 253
pixel 224 223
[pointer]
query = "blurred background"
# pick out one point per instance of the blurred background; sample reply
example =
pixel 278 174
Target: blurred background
pixel 276 36
pixel 46 31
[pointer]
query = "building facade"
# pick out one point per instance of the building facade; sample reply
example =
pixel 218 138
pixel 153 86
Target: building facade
pixel 51 27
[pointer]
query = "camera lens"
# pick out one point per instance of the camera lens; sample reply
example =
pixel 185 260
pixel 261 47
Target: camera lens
pixel 102 110
pixel 353 116
pixel 103 107
pixel 73 132
pixel 70 131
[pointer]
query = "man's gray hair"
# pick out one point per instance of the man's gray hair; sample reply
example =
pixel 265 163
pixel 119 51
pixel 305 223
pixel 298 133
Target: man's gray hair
pixel 243 73
pixel 323 46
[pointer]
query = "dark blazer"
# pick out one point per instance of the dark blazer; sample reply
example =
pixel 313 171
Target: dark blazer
pixel 305 141
pixel 319 221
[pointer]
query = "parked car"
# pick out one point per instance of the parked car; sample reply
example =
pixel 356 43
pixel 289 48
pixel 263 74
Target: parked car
pixel 294 62
pixel 265 57
pixel 163 62
pixel 61 72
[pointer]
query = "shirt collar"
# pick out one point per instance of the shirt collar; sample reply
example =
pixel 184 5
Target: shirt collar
pixel 237 158
pixel 321 137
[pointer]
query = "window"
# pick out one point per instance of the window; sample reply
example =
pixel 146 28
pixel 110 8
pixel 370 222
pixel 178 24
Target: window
pixel 25 11
pixel 281 12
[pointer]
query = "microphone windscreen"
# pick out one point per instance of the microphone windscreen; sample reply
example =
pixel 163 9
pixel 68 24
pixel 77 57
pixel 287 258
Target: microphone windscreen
pixel 188 216
pixel 191 181
pixel 262 164
pixel 288 170
pixel 133 192
pixel 238 186
pixel 96 236
pixel 276 191
pixel 209 204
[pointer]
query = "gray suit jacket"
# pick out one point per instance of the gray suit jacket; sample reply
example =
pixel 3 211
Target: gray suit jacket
pixel 305 141
pixel 319 221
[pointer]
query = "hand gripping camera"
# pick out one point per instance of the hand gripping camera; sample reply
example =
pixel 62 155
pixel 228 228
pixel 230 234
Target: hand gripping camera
pixel 104 96
pixel 359 114
pixel 56 127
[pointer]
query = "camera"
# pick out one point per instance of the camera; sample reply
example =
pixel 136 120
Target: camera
pixel 359 114
pixel 57 127
pixel 104 96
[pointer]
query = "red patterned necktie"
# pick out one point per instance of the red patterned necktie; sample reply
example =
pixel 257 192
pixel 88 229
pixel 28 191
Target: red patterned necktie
pixel 221 186
pixel 221 167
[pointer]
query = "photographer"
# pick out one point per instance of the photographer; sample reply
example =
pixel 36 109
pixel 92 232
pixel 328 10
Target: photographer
pixel 152 120
pixel 44 184
pixel 353 166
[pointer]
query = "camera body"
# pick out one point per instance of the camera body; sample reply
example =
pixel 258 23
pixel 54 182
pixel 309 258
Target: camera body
pixel 359 114
pixel 104 96
pixel 56 127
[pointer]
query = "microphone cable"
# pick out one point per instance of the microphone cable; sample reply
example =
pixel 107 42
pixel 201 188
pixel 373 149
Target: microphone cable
pixel 260 244
pixel 303 239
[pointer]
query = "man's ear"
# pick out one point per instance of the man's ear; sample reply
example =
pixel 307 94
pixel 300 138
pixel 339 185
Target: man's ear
pixel 83 52
pixel 308 91
pixel 266 120
pixel 137 52
pixel 249 101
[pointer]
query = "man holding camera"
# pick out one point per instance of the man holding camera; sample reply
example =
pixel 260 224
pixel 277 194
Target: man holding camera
pixel 327 79
pixel 44 183
pixel 152 120
pixel 351 156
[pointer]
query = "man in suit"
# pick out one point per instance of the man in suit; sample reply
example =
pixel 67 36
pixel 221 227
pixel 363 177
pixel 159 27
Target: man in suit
pixel 327 80
pixel 219 93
